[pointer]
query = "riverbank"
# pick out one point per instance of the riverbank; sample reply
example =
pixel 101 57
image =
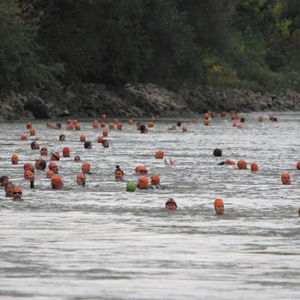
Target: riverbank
pixel 91 100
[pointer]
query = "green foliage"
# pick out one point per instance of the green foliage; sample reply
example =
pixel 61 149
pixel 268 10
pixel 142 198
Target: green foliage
pixel 20 65
pixel 223 43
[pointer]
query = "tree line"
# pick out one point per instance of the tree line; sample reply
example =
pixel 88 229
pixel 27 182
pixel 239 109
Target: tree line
pixel 250 44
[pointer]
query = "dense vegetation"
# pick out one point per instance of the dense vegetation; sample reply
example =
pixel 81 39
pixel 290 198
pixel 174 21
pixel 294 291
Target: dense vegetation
pixel 223 43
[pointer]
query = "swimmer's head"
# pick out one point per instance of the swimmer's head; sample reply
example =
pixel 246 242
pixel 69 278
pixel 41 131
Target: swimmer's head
pixel 44 151
pixel 14 159
pixel 155 180
pixel 143 182
pixel 17 193
pixel 171 204
pixel 66 152
pixel 55 156
pixel 219 206
pixel 254 167
pixel 81 179
pixel 88 145
pixel 159 154
pixel 86 167
pixel 285 178
pixel 77 158
pixel 62 137
pixel 82 138
pixel 217 152
pixel 56 182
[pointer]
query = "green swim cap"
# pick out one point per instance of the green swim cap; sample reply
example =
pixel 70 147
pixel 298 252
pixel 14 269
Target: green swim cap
pixel 209 119
pixel 131 186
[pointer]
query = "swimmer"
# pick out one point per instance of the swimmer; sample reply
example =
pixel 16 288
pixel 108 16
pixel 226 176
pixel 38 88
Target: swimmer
pixel 171 204
pixel 40 164
pixel 105 143
pixel 285 178
pixel 170 162
pixel 77 158
pixel 85 168
pixel 4 180
pixel 219 206
pixel 87 145
pixel 143 128
pixel 299 212
pixel 66 152
pixel 55 156
pixel 56 182
pixel 44 151
pixel 34 145
pixel 155 182
pixel 53 167
pixel 217 152
pixel 9 187
pixel 14 159
pixel 17 193
pixel 119 174
pixel 143 183
pixel 81 179
pixel 62 138
pixel 159 154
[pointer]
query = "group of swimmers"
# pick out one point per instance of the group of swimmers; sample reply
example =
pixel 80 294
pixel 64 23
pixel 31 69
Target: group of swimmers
pixel 143 183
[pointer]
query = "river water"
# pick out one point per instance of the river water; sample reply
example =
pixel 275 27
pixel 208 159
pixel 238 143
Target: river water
pixel 101 242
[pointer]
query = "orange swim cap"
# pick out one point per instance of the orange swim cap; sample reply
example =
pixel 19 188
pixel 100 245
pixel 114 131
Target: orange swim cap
pixel 218 202
pixel 111 125
pixel 242 164
pixel 150 124
pixel 81 178
pixel 229 162
pixel 143 182
pixel 55 180
pixel 49 174
pixel 28 175
pixel 285 178
pixel 86 165
pixel 27 166
pixel 17 189
pixel 138 169
pixel 119 125
pixel 28 125
pixel 105 132
pixel 254 167
pixel 155 179
pixel 14 156
pixel 298 165
pixel 51 165
pixel 159 154
pixel 205 122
